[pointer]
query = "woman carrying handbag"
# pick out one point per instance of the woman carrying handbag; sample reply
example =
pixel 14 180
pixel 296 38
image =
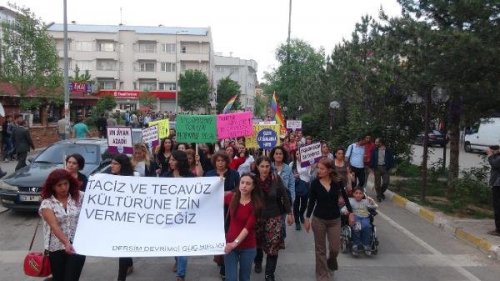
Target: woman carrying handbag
pixel 60 208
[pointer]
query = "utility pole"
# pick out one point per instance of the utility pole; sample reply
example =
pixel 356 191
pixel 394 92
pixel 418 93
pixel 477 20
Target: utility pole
pixel 66 66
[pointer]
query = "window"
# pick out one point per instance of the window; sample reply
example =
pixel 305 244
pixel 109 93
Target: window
pixel 147 66
pixel 106 84
pixel 166 86
pixel 183 49
pixel 168 48
pixel 83 65
pixel 146 47
pixel 105 46
pixel 83 46
pixel 168 67
pixel 147 85
pixel 106 65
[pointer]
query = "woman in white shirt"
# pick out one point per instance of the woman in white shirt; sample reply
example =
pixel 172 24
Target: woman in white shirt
pixel 60 209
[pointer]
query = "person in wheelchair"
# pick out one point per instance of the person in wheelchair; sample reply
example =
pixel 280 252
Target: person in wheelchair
pixel 363 207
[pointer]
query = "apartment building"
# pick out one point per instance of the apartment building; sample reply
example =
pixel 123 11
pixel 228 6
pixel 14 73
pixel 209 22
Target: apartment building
pixel 242 71
pixel 128 60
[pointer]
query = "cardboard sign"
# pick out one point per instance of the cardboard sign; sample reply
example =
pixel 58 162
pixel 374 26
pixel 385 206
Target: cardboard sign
pixel 151 217
pixel 234 125
pixel 163 127
pixel 150 137
pixel 251 142
pixel 310 154
pixel 120 140
pixel 294 125
pixel 196 128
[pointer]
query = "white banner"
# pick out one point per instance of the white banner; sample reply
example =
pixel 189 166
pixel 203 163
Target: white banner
pixel 310 154
pixel 294 125
pixel 151 217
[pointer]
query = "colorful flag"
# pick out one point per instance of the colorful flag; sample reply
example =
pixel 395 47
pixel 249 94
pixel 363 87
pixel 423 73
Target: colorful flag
pixel 229 104
pixel 278 115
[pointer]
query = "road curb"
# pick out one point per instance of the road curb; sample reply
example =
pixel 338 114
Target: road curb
pixel 441 221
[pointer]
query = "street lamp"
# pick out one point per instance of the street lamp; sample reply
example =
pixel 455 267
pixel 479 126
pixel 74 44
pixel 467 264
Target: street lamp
pixel 333 106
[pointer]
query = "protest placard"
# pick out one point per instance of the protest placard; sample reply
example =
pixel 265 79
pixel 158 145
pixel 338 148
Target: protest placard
pixel 120 140
pixel 310 154
pixel 163 127
pixel 251 142
pixel 234 125
pixel 196 128
pixel 150 137
pixel 147 217
pixel 294 125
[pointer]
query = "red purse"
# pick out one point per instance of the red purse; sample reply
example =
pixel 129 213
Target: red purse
pixel 37 264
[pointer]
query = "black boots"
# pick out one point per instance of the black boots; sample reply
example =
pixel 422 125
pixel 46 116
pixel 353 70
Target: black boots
pixel 271 262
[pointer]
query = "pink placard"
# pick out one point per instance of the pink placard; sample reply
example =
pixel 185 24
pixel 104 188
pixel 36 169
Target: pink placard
pixel 234 125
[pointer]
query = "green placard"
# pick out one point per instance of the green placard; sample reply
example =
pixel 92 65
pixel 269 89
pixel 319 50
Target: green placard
pixel 196 128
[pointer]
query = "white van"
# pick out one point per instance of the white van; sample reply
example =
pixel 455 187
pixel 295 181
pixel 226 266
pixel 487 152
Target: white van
pixel 486 134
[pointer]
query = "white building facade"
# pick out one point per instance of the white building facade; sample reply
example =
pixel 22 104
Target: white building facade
pixel 125 60
pixel 244 72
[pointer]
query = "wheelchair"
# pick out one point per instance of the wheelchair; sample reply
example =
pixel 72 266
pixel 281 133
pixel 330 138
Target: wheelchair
pixel 346 236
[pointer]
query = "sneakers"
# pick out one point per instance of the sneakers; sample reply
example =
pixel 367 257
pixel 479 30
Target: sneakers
pixel 258 268
pixel 332 263
pixel 270 277
pixel 494 232
pixel 298 227
pixel 355 251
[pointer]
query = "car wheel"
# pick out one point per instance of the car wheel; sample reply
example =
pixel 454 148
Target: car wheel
pixel 467 147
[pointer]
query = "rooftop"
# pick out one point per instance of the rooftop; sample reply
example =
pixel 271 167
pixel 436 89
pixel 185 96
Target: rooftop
pixel 198 31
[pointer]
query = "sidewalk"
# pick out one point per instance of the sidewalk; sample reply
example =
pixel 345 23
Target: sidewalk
pixel 472 231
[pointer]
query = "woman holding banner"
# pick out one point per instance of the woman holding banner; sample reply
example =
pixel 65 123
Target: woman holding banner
pixel 179 168
pixel 60 209
pixel 141 161
pixel 163 155
pixel 194 162
pixel 244 206
pixel 269 229
pixel 122 166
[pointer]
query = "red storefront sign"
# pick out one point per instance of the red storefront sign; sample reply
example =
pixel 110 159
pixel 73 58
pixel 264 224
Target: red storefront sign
pixel 133 95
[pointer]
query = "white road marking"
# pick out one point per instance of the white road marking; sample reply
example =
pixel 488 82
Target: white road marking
pixel 467 274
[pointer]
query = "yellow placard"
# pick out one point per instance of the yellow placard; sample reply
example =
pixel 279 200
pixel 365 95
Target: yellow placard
pixel 251 142
pixel 163 127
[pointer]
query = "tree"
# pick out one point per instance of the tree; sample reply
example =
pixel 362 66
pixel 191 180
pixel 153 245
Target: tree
pixel 145 99
pixel 226 89
pixel 85 77
pixel 194 90
pixel 30 62
pixel 467 66
pixel 104 104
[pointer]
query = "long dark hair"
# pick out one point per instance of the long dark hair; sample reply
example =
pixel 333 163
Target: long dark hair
pixel 182 162
pixel 126 168
pixel 285 154
pixel 79 159
pixel 162 145
pixel 56 176
pixel 256 196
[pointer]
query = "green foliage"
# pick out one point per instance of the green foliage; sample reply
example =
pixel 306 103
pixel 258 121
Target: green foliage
pixel 471 188
pixel 30 61
pixel 226 89
pixel 407 169
pixel 146 99
pixel 194 90
pixel 83 78
pixel 104 104
pixel 260 106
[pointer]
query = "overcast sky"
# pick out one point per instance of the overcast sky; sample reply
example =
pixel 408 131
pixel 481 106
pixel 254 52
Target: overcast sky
pixel 251 29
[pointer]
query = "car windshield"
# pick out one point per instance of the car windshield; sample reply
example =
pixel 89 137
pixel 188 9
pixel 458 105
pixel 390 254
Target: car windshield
pixel 57 153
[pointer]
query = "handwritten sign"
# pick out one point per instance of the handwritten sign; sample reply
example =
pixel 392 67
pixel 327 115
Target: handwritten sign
pixel 294 125
pixel 150 136
pixel 163 127
pixel 251 142
pixel 120 140
pixel 310 154
pixel 196 128
pixel 154 217
pixel 234 125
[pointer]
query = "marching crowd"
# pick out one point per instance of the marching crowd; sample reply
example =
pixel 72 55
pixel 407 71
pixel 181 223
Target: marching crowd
pixel 264 191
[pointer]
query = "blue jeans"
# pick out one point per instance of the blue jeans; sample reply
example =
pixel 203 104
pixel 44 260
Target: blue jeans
pixel 245 258
pixel 362 237
pixel 182 263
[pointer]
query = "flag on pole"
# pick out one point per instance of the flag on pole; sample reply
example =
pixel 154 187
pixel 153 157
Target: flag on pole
pixel 229 104
pixel 278 115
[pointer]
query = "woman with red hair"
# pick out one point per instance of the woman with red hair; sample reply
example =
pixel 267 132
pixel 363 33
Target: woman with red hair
pixel 60 209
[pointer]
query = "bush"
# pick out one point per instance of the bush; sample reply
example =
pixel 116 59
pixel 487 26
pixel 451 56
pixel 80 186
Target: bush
pixel 407 170
pixel 471 188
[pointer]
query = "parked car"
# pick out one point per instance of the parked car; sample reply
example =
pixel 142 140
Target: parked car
pixel 20 191
pixel 435 138
pixel 485 134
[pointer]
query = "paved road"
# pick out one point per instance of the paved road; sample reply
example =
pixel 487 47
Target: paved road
pixel 466 160
pixel 410 249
